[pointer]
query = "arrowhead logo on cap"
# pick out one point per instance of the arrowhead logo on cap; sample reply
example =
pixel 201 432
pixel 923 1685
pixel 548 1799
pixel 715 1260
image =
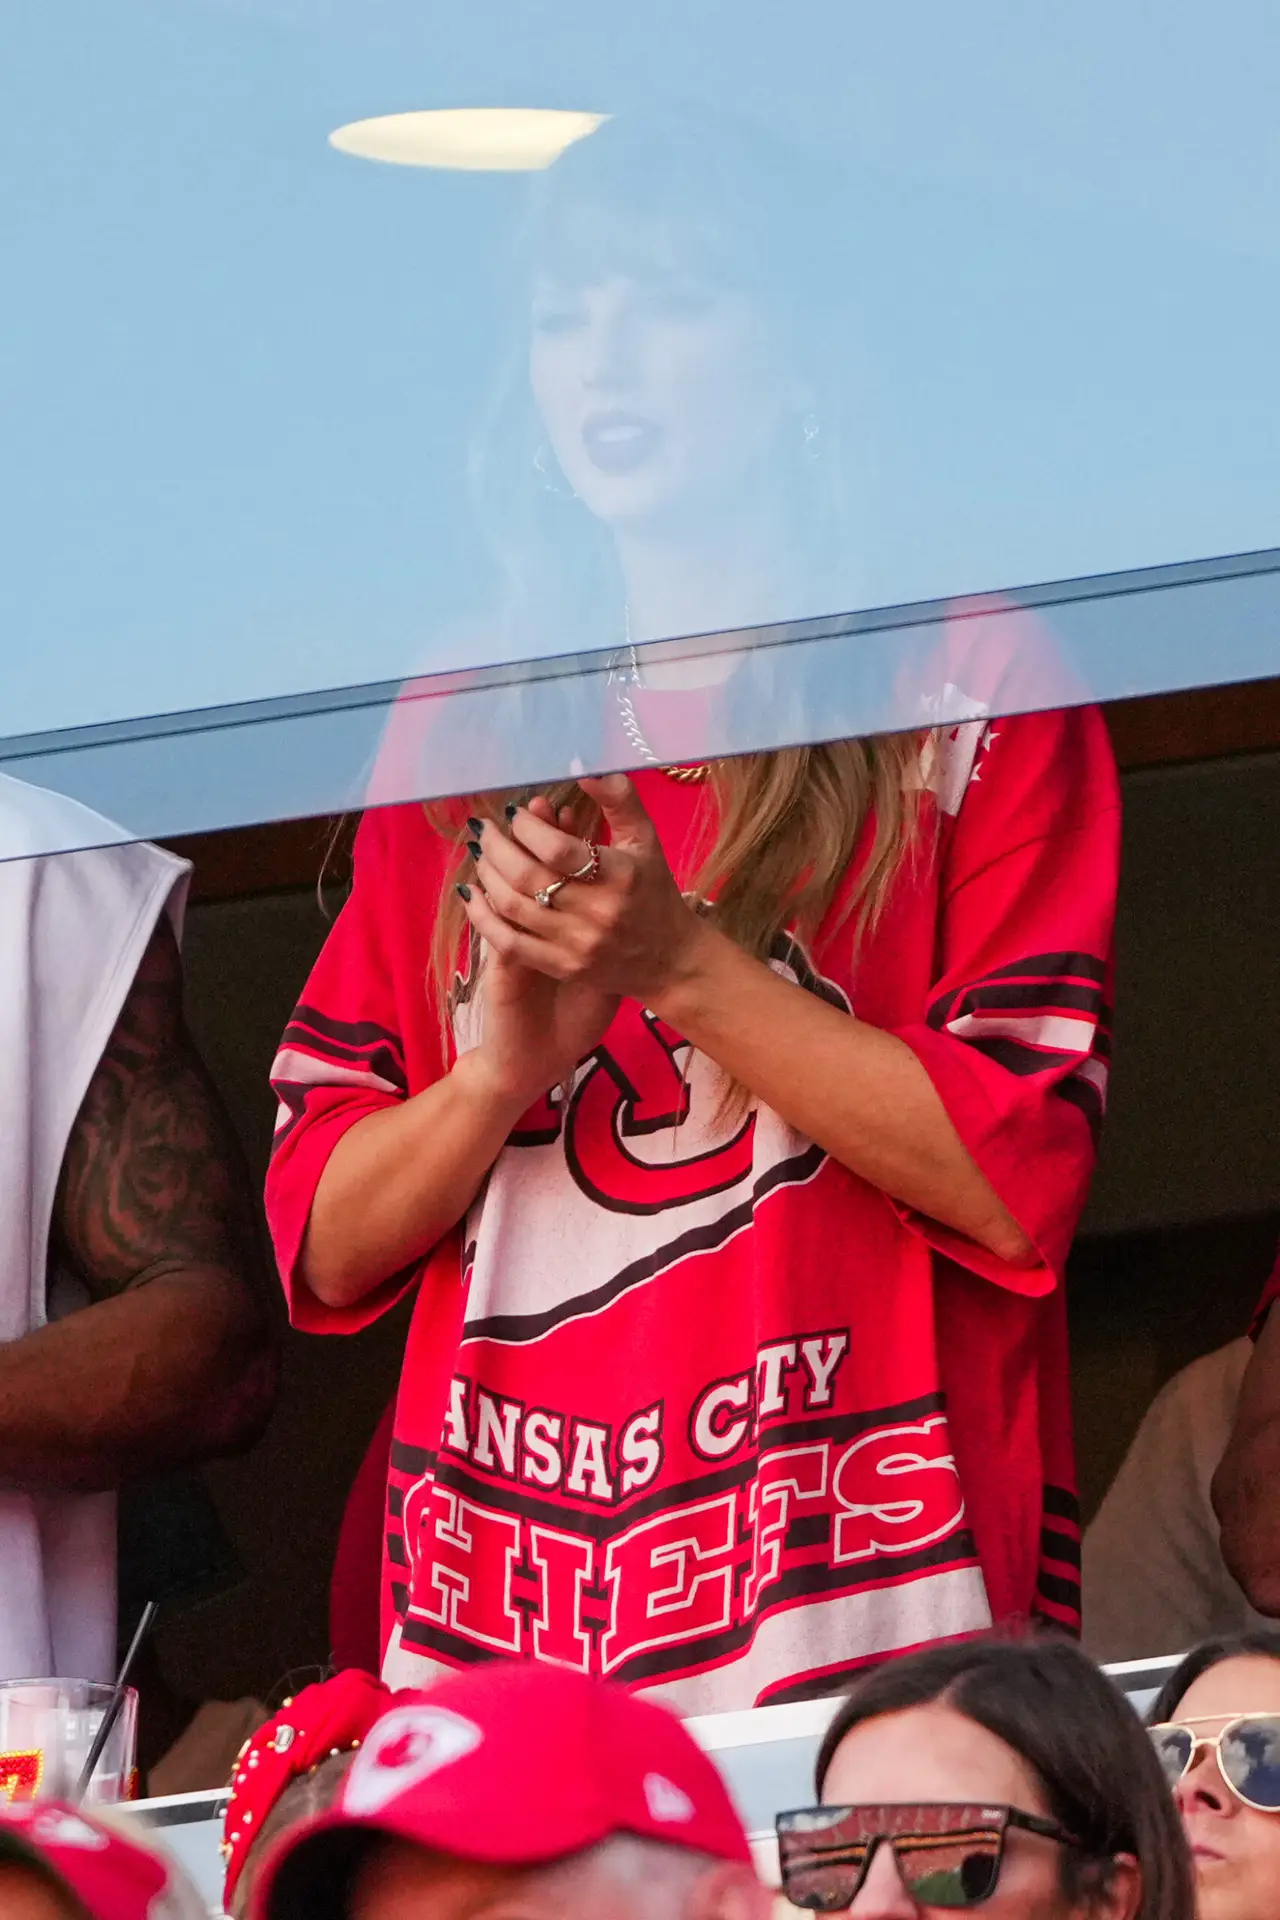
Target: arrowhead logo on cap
pixel 666 1801
pixel 59 1829
pixel 407 1746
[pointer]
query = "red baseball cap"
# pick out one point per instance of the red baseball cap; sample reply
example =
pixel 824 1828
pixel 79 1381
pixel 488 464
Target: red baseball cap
pixel 110 1877
pixel 324 1720
pixel 510 1764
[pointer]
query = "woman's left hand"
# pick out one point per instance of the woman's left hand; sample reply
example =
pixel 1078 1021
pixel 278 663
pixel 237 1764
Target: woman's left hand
pixel 628 931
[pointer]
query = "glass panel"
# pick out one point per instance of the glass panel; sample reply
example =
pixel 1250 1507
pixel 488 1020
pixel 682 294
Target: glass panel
pixel 520 725
pixel 354 341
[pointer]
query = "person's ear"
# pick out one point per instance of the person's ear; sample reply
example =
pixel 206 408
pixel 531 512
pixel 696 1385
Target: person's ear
pixel 731 1892
pixel 1118 1895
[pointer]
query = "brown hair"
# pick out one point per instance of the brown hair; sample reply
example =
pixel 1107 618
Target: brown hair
pixel 1263 1643
pixel 302 1801
pixel 1074 1728
pixel 788 823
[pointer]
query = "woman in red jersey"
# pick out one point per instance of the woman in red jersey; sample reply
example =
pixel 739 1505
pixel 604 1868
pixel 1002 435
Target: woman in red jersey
pixel 731 1120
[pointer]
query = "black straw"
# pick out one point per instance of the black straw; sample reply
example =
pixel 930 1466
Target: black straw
pixel 116 1701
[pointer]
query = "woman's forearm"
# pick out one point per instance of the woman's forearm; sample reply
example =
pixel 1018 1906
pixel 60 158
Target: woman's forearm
pixel 858 1092
pixel 397 1181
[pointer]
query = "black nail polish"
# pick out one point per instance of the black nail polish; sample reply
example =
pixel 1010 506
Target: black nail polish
pixel 510 810
pixel 473 848
pixel 474 826
pixel 463 893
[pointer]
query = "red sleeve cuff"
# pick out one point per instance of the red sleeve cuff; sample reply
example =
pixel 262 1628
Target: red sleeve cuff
pixel 291 1185
pixel 1031 1155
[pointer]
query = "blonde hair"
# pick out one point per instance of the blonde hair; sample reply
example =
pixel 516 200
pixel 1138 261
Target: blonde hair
pixel 787 826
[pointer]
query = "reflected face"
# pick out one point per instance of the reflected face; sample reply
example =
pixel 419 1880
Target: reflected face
pixel 661 396
pixel 1235 1849
pixel 934 1753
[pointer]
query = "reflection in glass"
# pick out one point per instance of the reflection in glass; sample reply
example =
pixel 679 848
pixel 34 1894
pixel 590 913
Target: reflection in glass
pixel 282 424
pixel 469 139
pixel 825 679
pixel 671 448
pixel 670 443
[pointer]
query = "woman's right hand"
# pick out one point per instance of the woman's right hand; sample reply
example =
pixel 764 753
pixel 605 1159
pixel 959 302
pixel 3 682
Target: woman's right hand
pixel 404 1175
pixel 534 1030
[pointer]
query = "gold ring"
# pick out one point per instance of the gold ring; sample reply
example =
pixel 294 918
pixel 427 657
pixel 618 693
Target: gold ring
pixel 588 872
pixel 545 895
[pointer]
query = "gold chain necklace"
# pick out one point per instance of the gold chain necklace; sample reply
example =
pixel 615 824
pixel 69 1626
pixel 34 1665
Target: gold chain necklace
pixel 687 776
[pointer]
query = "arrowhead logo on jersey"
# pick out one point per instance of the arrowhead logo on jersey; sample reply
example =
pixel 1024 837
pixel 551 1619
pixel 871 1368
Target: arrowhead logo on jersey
pixel 637 1087
pixel 634 1086
pixel 408 1745
pixel 659 1166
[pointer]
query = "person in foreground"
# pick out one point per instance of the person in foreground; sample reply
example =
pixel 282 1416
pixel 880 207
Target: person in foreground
pixel 1215 1725
pixel 514 1788
pixel 58 1862
pixel 1011 1776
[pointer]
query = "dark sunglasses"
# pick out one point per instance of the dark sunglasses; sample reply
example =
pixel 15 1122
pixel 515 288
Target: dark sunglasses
pixel 949 1854
pixel 1248 1752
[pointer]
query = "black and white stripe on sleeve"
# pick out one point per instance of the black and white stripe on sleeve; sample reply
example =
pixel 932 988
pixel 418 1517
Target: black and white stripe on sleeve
pixel 318 1051
pixel 1045 1014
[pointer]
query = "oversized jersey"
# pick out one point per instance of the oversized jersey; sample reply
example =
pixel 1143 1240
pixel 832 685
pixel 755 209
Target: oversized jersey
pixel 685 1402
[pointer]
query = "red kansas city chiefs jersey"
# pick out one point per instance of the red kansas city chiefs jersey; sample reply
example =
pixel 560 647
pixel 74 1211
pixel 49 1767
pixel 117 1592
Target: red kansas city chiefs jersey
pixel 685 1402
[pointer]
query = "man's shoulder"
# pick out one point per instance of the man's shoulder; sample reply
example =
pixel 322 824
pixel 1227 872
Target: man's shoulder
pixel 1183 1432
pixel 36 821
pixel 1208 1386
pixel 43 833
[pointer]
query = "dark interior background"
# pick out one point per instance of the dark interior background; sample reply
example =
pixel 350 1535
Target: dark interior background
pixel 1180 1233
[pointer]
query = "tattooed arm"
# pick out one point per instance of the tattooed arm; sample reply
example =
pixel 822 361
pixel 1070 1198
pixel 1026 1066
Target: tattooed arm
pixel 175 1360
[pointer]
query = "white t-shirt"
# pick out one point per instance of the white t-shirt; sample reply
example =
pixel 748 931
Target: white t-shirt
pixel 1154 1577
pixel 73 929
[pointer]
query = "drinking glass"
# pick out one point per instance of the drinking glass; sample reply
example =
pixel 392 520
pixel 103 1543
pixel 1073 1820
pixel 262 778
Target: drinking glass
pixel 46 1730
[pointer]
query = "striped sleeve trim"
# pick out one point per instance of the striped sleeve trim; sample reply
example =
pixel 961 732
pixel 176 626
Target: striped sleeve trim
pixel 1045 1014
pixel 318 1051
pixel 1058 1578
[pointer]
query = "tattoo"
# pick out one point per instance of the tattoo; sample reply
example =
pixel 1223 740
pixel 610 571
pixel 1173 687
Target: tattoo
pixel 153 1180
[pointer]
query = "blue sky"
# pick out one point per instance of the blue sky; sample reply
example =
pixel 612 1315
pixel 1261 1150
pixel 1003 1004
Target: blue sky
pixel 239 368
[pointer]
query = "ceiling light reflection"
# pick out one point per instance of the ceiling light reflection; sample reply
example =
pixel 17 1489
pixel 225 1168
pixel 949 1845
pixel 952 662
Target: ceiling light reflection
pixel 473 139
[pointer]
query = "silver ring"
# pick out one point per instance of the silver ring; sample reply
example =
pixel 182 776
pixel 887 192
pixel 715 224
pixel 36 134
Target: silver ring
pixel 545 895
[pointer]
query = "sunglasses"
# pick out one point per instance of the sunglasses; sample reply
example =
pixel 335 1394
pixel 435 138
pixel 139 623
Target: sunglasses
pixel 1247 1751
pixel 949 1854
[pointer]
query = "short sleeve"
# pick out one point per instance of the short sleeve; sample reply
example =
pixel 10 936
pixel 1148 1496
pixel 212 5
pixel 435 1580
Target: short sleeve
pixel 1016 1036
pixel 342 1057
